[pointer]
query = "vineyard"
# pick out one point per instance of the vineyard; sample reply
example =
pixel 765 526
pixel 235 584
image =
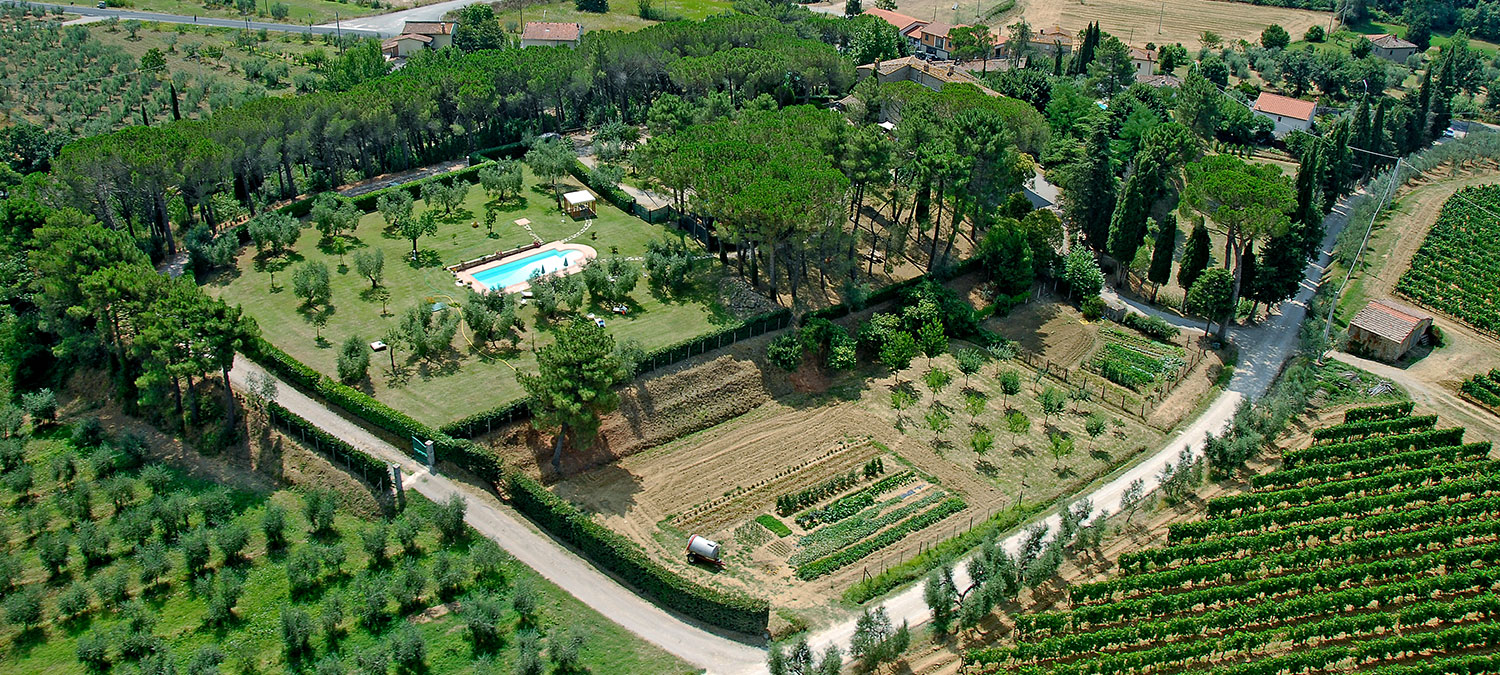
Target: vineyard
pixel 1484 388
pixel 1457 268
pixel 1375 549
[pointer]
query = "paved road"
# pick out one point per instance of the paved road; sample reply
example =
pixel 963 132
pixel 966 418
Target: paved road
pixel 124 14
pixel 390 24
pixel 688 641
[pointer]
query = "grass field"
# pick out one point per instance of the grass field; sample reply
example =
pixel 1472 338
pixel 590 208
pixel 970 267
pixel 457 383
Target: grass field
pixel 305 12
pixel 464 380
pixel 1134 21
pixel 623 15
pixel 251 639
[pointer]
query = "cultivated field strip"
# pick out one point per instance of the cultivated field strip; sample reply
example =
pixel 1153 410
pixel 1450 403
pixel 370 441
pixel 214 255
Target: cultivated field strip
pixel 1380 554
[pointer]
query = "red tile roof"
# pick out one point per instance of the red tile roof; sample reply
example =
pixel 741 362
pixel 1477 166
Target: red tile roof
pixel 1276 104
pixel 1388 321
pixel 897 19
pixel 547 30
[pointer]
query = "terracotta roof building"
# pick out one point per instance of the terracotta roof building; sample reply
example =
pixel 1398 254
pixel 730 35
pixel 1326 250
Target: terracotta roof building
pixel 1289 114
pixel 550 34
pixel 1387 331
pixel 901 21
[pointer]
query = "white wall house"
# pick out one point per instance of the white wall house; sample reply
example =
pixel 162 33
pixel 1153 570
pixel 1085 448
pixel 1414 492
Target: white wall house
pixel 1289 114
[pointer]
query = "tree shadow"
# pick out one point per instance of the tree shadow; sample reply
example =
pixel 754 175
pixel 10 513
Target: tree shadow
pixel 425 258
pixel 986 469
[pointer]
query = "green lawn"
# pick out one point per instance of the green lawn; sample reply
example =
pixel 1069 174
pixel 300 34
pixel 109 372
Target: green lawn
pixel 304 12
pixel 252 640
pixel 623 15
pixel 465 380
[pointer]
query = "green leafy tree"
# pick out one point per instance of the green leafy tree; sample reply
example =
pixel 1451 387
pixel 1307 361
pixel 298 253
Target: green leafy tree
pixel 273 230
pixel 1052 401
pixel 1060 445
pixel 416 228
pixel 550 160
pixel 395 207
pixel 574 385
pixel 1017 423
pixel 310 281
pixel 1007 257
pixel 1211 297
pixel 897 352
pixel 478 28
pixel 932 338
pixel 1010 385
pixel 1081 272
pixel 970 360
pixel 370 264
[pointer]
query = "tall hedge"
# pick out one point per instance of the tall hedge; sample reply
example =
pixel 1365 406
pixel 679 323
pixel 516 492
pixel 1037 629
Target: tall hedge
pixel 735 611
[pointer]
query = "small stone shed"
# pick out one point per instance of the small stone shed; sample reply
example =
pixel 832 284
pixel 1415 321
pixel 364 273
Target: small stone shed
pixel 1388 331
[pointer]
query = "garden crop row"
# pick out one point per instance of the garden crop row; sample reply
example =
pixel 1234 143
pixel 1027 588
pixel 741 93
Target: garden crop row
pixel 1485 388
pixel 1225 570
pixel 1371 447
pixel 1312 474
pixel 1457 267
pixel 1373 484
pixel 1367 428
pixel 614 552
pixel 1299 627
pixel 1390 529
pixel 1395 566
pixel 1453 491
pixel 830 538
pixel 849 556
pixel 789 503
pixel 1378 412
pixel 851 504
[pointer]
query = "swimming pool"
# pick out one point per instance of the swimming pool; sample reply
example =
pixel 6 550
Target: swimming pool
pixel 514 272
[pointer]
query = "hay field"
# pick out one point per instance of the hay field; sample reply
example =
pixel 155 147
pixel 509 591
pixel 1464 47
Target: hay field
pixel 1134 21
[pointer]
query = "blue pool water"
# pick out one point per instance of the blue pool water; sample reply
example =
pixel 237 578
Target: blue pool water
pixel 518 271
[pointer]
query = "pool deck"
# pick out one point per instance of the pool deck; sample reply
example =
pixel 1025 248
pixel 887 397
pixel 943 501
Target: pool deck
pixel 466 277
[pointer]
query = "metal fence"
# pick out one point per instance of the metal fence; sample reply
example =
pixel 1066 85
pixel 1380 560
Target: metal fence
pixel 341 453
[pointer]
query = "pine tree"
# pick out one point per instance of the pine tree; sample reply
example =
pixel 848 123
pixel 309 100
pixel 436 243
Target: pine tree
pixel 1195 258
pixel 1161 253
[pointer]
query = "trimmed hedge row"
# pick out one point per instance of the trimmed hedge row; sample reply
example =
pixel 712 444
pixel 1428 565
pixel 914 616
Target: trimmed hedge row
pixel 853 554
pixel 373 470
pixel 508 151
pixel 461 452
pixel 611 193
pixel 1378 412
pixel 614 552
pixel 485 421
pixel 730 610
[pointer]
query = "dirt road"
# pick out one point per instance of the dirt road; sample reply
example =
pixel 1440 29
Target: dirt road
pixel 687 640
pixel 1450 407
pixel 1263 350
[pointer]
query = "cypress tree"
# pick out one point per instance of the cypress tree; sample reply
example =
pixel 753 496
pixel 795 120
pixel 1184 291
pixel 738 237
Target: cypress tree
pixel 1377 132
pixel 1362 135
pixel 1161 254
pixel 1094 190
pixel 1280 272
pixel 1127 227
pixel 1416 135
pixel 1248 278
pixel 1195 258
pixel 1442 101
pixel 1309 211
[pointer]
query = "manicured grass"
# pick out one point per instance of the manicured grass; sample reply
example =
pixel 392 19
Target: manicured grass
pixel 623 15
pixel 300 11
pixel 465 380
pixel 252 641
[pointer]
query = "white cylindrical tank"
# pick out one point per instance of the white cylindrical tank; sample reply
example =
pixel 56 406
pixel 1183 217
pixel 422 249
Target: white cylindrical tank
pixel 703 548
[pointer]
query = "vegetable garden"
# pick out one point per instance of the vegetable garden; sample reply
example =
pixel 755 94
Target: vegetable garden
pixel 1457 268
pixel 1137 362
pixel 1374 549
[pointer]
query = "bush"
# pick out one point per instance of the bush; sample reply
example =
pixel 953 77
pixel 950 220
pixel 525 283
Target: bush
pixel 1153 327
pixel 408 649
pixel 1092 307
pixel 41 405
pixel 785 352
pixel 353 360
pixel 232 540
pixel 89 433
pixel 273 526
pixel 449 518
pixel 296 631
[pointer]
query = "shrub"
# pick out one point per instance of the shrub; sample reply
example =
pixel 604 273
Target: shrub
pixel 273 526
pixel 195 553
pixel 1092 307
pixel 785 352
pixel 353 360
pixel 41 405
pixel 1153 327
pixel 449 518
pixel 232 540
pixel 408 649
pixel 93 651
pixel 296 631
pixel 23 608
pixel 89 433
pixel 482 617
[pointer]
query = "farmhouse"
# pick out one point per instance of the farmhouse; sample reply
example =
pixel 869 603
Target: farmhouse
pixel 1052 40
pixel 1289 114
pixel 1144 62
pixel 1387 331
pixel 931 40
pixel 418 35
pixel 930 75
pixel 902 22
pixel 551 34
pixel 1391 48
